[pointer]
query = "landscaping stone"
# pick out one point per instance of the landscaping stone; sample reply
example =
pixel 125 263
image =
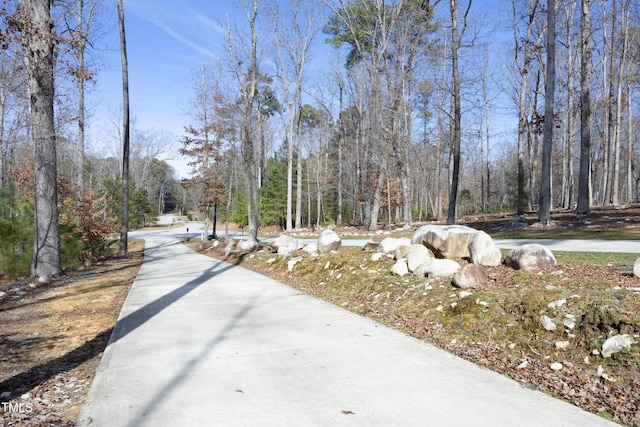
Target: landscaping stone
pixel 328 241
pixel 471 276
pixel 442 268
pixel 445 241
pixel 530 257
pixel 483 251
pixel 400 268
pixel 417 255
pixel 636 268
pixel 616 344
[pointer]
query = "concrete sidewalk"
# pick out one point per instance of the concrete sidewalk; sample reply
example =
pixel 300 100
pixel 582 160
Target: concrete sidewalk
pixel 205 343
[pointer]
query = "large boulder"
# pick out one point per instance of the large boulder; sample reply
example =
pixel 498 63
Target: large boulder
pixel 483 251
pixel 402 250
pixel 471 276
pixel 373 243
pixel 530 257
pixel 390 244
pixel 417 255
pixel 442 268
pixel 247 245
pixel 400 268
pixel 445 241
pixel 517 223
pixel 328 241
pixel 286 244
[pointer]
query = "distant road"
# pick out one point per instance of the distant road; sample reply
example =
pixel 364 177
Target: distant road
pixel 622 246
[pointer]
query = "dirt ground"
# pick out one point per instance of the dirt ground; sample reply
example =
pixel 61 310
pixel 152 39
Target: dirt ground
pixel 52 336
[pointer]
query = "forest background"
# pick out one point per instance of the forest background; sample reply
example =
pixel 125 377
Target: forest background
pixel 317 112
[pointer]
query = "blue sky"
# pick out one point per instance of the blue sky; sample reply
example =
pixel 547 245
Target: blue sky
pixel 166 41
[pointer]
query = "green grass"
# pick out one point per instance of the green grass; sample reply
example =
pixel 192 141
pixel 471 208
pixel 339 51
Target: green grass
pixel 568 234
pixel 615 259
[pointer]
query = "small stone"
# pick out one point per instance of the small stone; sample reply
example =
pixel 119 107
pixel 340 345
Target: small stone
pixel 2 294
pixel 569 321
pixel 523 365
pixel 512 345
pixel 549 287
pixel 562 344
pixel 547 323
pixel 464 294
pixel 556 366
pixel 292 262
pixel 439 308
pixel 376 256
pixel 271 261
pixel 26 396
pixel 558 303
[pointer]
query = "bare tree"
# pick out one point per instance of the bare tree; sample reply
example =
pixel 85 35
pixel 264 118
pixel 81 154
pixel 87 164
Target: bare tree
pixel 38 42
pixel 544 214
pixel 584 189
pixel 456 116
pixel 125 132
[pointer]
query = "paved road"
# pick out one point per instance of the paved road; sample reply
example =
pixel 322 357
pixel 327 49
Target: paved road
pixel 205 343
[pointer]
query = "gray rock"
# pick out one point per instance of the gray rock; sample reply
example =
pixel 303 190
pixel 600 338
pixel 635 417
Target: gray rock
pixel 471 276
pixel 400 268
pixel 328 241
pixel 248 245
pixel 373 243
pixel 517 223
pixel 417 255
pixel 483 251
pixel 311 248
pixel 530 257
pixel 442 268
pixel 292 262
pixel 286 244
pixel 402 251
pixel 547 323
pixel 616 344
pixel 390 244
pixel 445 241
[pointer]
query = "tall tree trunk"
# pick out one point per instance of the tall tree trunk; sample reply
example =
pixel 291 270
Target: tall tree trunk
pixel 457 112
pixel 584 188
pixel 124 230
pixel 39 58
pixel 544 215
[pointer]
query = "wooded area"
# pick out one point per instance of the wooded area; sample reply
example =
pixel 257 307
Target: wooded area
pixel 409 118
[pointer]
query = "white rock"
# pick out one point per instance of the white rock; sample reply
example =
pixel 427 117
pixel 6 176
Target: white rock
pixel 616 344
pixel 417 255
pixel 483 251
pixel 442 268
pixel 569 321
pixel 390 244
pixel 292 262
pixel 547 323
pixel 311 248
pixel 328 241
pixel 271 261
pixel 562 344
pixel 400 268
pixel 523 365
pixel 557 303
pixel 464 294
pixel 376 256
pixel 2 294
pixel 556 366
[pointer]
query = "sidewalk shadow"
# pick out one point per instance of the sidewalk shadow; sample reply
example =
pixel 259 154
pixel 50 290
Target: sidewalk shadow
pixel 137 318
pixel 31 378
